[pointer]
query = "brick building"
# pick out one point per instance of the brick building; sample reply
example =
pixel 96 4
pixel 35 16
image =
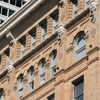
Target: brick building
pixel 49 50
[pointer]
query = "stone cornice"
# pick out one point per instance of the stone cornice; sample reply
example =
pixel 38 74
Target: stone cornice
pixel 35 49
pixel 20 15
pixel 77 17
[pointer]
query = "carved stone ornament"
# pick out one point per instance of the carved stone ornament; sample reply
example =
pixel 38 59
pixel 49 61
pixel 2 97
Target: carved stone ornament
pixel 60 31
pixel 15 87
pixel 10 67
pixel 93 32
pixel 10 37
pixel 60 55
pixel 8 92
pixel 93 7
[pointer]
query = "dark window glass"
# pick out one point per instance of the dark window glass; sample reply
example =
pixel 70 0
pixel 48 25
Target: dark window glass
pixel 51 97
pixel 10 12
pixel 5 1
pixel 4 11
pixel 0 10
pixel 23 2
pixel 12 2
pixel 18 3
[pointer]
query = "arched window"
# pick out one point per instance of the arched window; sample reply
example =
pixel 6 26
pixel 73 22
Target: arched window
pixel 80 47
pixel 1 94
pixel 20 87
pixel 53 63
pixel 31 80
pixel 42 73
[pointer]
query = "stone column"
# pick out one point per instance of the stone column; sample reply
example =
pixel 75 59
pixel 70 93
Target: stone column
pixel 3 61
pixel 49 25
pixel 28 42
pixel 18 50
pixel 36 76
pixel 25 87
pixel 81 6
pixel 47 70
pixel 38 34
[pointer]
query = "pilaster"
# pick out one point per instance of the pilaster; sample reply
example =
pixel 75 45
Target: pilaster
pixel 38 34
pixel 49 25
pixel 3 61
pixel 69 10
pixel 18 50
pixel 25 87
pixel 36 76
pixel 47 70
pixel 28 42
pixel 81 5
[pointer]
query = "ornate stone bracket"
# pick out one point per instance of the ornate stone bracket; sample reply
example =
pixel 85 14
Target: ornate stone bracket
pixel 10 67
pixel 93 7
pixel 60 31
pixel 35 72
pixel 10 37
pixel 25 79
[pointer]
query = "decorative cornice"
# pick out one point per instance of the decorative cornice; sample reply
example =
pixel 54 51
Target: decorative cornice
pixel 80 15
pixel 35 49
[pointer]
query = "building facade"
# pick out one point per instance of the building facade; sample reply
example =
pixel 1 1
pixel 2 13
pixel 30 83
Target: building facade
pixel 49 50
pixel 8 7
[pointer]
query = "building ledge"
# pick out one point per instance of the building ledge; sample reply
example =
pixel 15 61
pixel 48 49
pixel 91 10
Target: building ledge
pixel 77 17
pixel 3 73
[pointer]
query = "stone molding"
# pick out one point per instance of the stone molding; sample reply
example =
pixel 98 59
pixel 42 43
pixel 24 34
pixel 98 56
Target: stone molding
pixel 69 49
pixel 79 15
pixel 25 79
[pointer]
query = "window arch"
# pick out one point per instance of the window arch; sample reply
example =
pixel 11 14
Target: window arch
pixel 42 72
pixel 20 87
pixel 53 63
pixel 1 94
pixel 31 80
pixel 80 45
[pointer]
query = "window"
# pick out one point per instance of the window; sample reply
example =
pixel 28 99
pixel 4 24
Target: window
pixel 53 63
pixel 20 87
pixel 7 57
pixel 44 29
pixel 74 7
pixel 80 47
pixel 23 45
pixel 33 37
pixel 78 89
pixel 54 15
pixel 31 80
pixel 1 21
pixel 1 94
pixel 42 73
pixel 10 12
pixel 51 97
pixel 87 3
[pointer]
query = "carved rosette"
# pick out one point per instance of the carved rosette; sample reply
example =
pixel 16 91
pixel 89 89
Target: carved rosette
pixel 60 55
pixel 93 32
